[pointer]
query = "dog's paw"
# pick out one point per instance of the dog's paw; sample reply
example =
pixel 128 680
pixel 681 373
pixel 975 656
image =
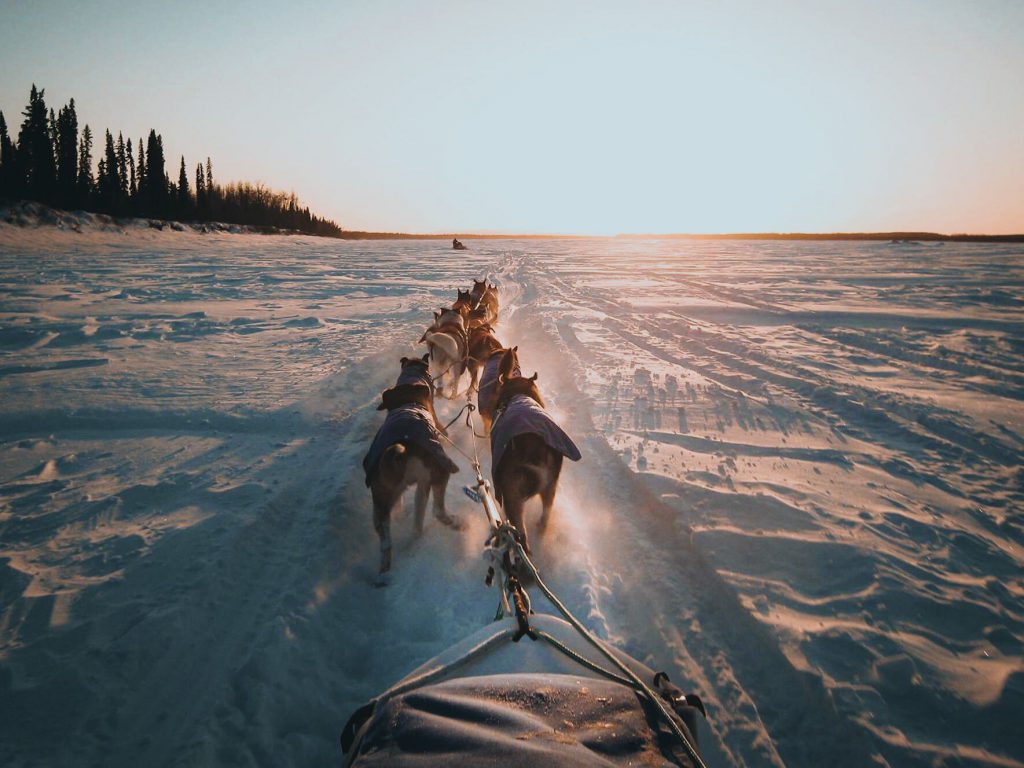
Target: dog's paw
pixel 452 522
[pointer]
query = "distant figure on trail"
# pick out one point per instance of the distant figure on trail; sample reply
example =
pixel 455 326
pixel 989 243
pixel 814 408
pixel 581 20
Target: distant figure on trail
pixel 457 245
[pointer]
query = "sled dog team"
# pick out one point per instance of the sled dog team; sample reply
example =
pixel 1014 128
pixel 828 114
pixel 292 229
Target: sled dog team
pixel 527 446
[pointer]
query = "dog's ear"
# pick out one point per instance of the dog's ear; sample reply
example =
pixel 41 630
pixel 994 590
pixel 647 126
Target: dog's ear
pixel 404 361
pixel 508 362
pixel 383 399
pixel 437 316
pixel 426 358
pixel 534 377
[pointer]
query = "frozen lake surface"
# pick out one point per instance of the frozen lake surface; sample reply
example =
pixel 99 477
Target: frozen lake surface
pixel 801 491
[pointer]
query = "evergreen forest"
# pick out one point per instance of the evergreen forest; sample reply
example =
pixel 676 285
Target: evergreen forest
pixel 54 163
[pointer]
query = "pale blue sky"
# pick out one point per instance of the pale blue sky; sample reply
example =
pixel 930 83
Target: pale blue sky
pixel 586 117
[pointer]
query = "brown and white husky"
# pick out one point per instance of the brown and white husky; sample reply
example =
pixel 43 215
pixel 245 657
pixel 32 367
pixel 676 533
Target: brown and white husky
pixel 446 339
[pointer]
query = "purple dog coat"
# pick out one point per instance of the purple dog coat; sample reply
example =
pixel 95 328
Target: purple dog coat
pixel 523 416
pixel 410 424
pixel 489 376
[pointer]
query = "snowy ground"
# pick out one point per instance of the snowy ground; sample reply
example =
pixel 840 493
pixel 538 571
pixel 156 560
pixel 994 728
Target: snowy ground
pixel 820 531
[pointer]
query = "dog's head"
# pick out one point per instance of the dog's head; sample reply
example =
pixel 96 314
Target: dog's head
pixel 404 394
pixel 518 385
pixel 509 365
pixel 415 370
pixel 463 303
pixel 450 317
pixel 479 286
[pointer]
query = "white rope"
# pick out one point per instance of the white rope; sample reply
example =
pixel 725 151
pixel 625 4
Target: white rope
pixel 629 673
pixel 506 543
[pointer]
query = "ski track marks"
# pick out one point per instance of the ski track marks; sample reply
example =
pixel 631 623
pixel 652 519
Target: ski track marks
pixel 818 535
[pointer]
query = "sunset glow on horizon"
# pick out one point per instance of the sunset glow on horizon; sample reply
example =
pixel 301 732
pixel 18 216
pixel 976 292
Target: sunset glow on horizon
pixel 583 117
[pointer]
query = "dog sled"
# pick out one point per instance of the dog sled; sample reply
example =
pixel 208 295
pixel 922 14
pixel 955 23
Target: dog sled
pixel 529 689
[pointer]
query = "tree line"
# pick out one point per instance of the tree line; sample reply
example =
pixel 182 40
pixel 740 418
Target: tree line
pixel 52 163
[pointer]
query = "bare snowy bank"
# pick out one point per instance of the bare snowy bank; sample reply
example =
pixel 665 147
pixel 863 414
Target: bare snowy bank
pixel 801 488
pixel 27 214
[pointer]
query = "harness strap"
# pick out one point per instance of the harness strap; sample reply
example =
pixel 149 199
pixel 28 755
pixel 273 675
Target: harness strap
pixel 468 406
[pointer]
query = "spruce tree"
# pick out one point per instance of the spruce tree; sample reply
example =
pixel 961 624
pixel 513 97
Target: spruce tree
pixel 7 167
pixel 132 189
pixel 36 167
pixel 110 183
pixel 212 198
pixel 67 155
pixel 184 196
pixel 122 173
pixel 85 182
pixel 51 130
pixel 140 176
pixel 200 193
pixel 156 176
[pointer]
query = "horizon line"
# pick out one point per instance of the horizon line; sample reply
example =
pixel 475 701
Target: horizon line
pixel 900 235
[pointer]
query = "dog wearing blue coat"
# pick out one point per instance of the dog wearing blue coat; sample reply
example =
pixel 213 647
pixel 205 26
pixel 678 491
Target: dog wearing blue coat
pixel 407 451
pixel 527 447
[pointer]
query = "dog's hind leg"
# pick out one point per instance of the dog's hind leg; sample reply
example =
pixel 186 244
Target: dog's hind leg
pixel 456 374
pixel 382 524
pixel 547 501
pixel 474 371
pixel 439 487
pixel 422 489
pixel 547 493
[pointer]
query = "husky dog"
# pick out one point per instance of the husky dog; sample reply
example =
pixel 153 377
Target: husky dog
pixel 527 447
pixel 406 451
pixel 482 344
pixel 489 302
pixel 477 292
pixel 485 355
pixel 485 296
pixel 463 302
pixel 476 317
pixel 446 339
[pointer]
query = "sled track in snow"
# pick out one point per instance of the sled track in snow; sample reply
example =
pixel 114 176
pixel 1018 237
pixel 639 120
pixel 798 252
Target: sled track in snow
pixel 193 560
pixel 646 570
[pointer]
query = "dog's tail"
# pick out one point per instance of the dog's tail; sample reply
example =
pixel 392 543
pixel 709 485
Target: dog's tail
pixel 392 461
pixel 445 343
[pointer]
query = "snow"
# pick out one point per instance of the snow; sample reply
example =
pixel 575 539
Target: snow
pixel 822 535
